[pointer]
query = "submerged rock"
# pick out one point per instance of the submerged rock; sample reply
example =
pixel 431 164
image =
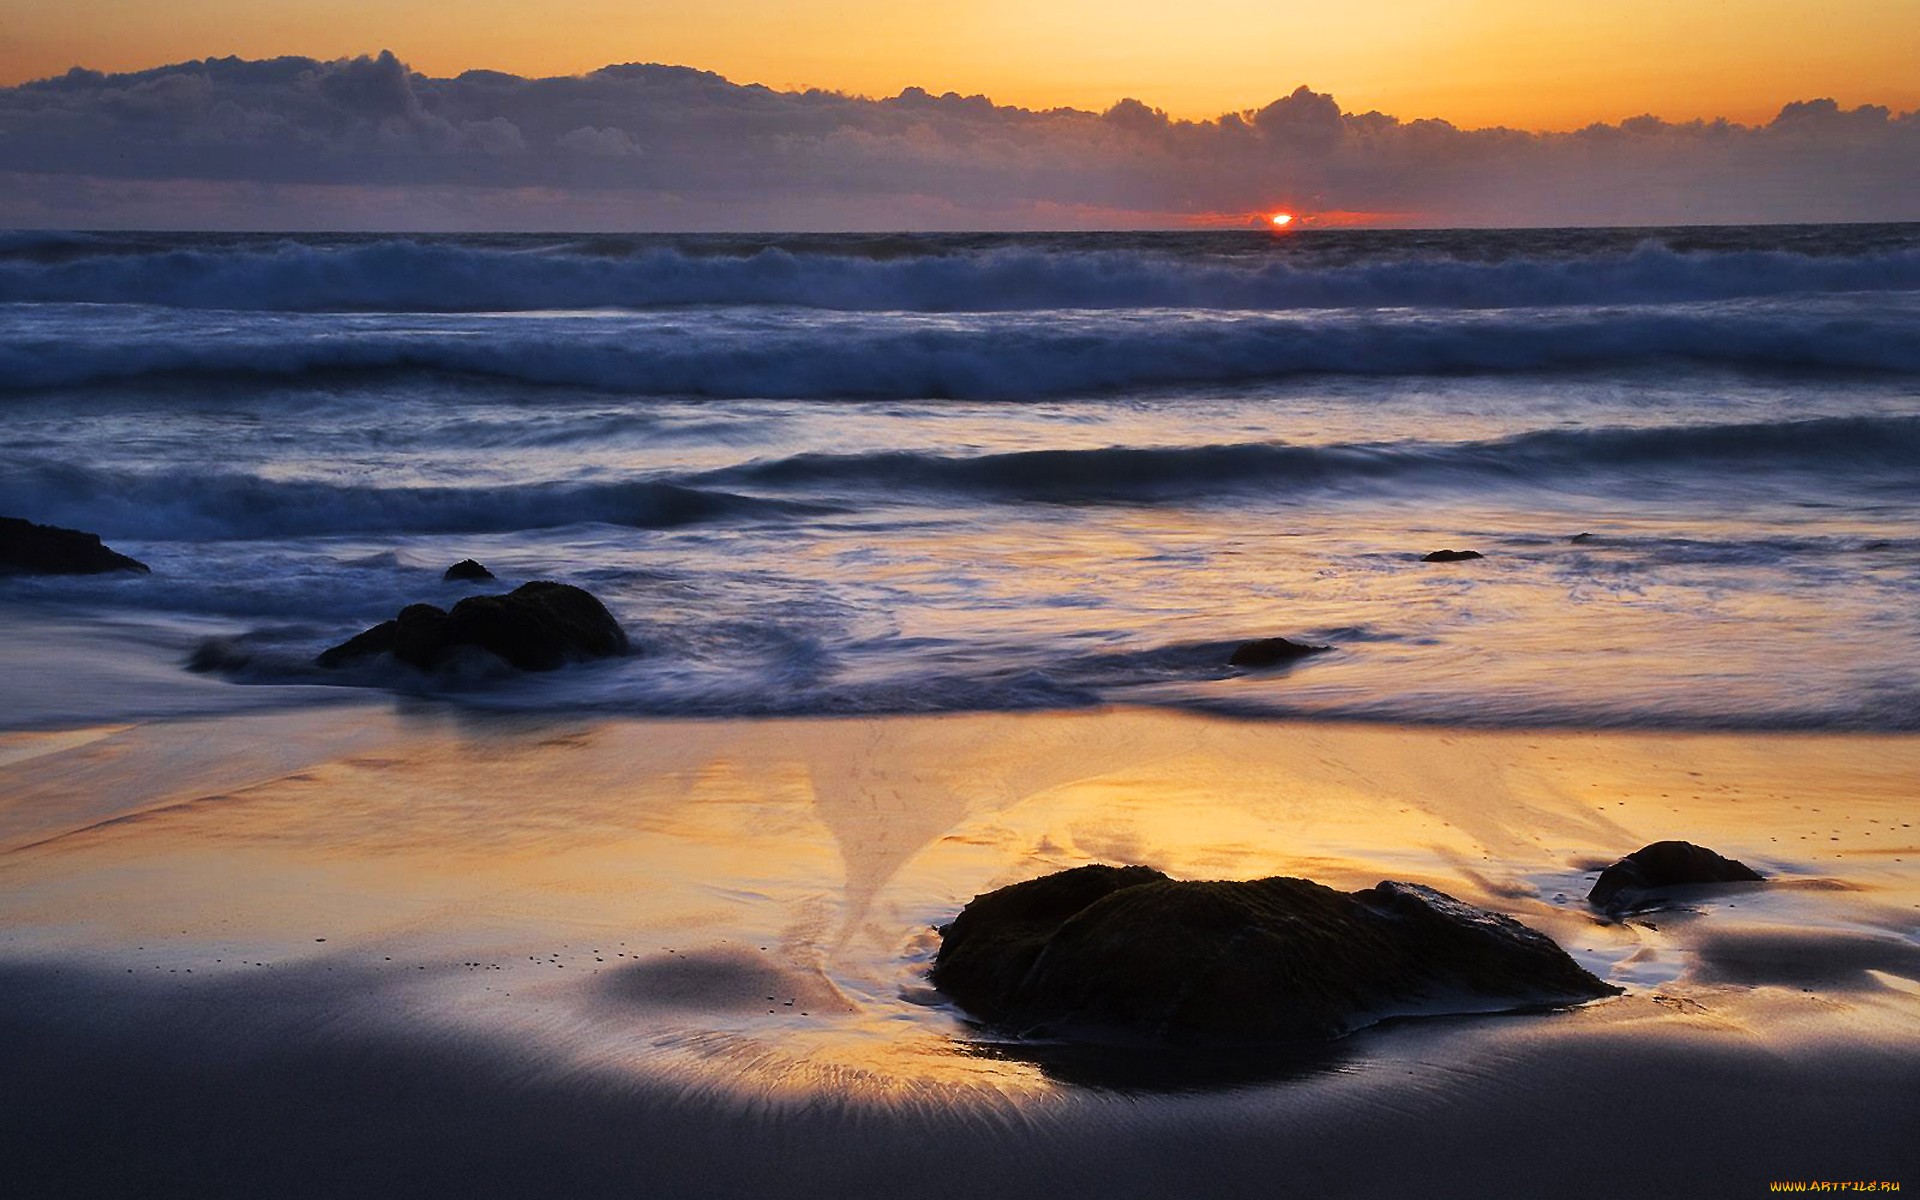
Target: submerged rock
pixel 466 568
pixel 536 627
pixel 1581 539
pixel 29 549
pixel 1451 556
pixel 1270 652
pixel 1629 882
pixel 1126 954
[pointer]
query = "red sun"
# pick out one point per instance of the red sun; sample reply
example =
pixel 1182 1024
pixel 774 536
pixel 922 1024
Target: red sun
pixel 1281 219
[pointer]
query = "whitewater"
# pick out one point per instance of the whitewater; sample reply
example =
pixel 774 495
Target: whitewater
pixel 836 474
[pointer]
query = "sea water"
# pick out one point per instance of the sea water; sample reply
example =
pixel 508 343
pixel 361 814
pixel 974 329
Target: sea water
pixel 842 474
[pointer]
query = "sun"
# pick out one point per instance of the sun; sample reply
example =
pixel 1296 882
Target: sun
pixel 1281 220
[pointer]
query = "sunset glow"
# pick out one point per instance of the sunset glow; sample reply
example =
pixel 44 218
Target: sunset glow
pixel 1281 220
pixel 1497 62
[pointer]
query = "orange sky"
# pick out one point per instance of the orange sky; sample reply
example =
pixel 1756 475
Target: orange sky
pixel 1475 62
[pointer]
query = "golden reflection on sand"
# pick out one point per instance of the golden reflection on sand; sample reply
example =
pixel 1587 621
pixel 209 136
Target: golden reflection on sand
pixel 751 904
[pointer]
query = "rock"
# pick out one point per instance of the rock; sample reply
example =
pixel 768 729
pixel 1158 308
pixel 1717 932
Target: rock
pixel 1581 539
pixel 536 627
pixel 465 569
pixel 1126 954
pixel 1451 556
pixel 418 636
pixel 1628 883
pixel 1270 652
pixel 29 549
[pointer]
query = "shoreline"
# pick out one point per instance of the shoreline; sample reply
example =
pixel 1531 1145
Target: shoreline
pixel 150 656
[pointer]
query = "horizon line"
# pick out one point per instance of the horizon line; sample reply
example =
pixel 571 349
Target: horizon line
pixel 1216 231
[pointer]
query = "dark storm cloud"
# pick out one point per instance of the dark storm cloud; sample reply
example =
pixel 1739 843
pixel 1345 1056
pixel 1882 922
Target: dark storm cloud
pixel 365 141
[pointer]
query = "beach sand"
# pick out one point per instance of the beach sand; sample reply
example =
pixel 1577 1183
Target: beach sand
pixel 385 948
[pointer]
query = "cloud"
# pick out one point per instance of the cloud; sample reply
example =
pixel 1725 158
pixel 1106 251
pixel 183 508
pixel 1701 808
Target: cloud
pixel 606 142
pixel 495 135
pixel 379 89
pixel 360 141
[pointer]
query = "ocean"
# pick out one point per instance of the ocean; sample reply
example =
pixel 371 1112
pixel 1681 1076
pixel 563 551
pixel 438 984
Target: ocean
pixel 841 474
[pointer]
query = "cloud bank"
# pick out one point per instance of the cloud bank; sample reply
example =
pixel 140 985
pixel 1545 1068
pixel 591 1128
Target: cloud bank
pixel 366 143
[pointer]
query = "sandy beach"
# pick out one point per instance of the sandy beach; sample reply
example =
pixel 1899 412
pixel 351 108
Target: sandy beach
pixel 400 949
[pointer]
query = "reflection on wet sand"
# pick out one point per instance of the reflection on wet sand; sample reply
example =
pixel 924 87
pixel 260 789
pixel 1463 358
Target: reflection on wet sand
pixel 746 911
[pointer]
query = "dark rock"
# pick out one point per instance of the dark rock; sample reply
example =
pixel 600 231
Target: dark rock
pixel 1629 883
pixel 29 549
pixel 989 948
pixel 1451 556
pixel 381 639
pixel 420 635
pixel 1127 954
pixel 466 568
pixel 1270 652
pixel 1581 539
pixel 536 627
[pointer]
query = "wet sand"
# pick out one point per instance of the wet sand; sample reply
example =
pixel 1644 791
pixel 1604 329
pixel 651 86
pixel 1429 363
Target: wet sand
pixel 397 949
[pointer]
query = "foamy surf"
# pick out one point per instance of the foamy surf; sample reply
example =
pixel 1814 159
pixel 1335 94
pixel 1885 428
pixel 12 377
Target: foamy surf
pixel 819 474
pixel 953 273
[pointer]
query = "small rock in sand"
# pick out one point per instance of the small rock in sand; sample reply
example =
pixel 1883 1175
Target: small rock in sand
pixel 1629 883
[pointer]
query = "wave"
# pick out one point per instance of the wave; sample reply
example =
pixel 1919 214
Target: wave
pixel 1190 677
pixel 29 244
pixel 730 355
pixel 1865 454
pixel 426 275
pixel 190 506
pixel 1869 451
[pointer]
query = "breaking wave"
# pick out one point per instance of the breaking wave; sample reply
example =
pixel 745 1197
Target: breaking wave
pixel 743 354
pixel 1874 453
pixel 189 506
pixel 399 274
pixel 1872 450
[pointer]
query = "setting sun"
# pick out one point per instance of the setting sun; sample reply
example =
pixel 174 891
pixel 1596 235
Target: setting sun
pixel 1281 220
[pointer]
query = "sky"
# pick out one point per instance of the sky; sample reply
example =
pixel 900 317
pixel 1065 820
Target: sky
pixel 1523 63
pixel 986 114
